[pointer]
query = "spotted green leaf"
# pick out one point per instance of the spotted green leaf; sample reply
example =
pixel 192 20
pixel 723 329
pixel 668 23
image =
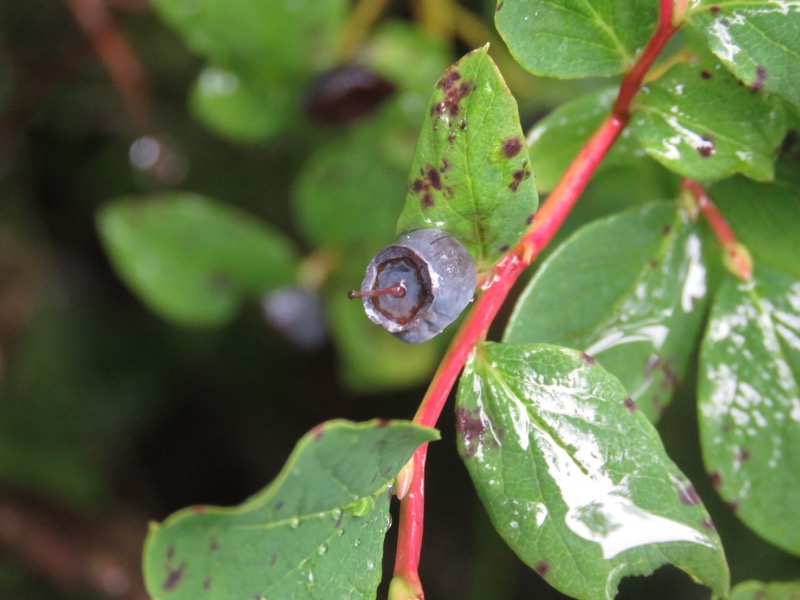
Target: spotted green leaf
pixel 576 38
pixel 749 402
pixel 574 478
pixel 755 590
pixel 471 174
pixel 316 532
pixel 191 259
pixel 555 140
pixel 634 299
pixel 758 40
pixel 700 122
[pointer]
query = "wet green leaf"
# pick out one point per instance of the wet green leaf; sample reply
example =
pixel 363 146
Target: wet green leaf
pixel 759 41
pixel 315 532
pixel 755 590
pixel 699 121
pixel 749 402
pixel 191 259
pixel 763 217
pixel 629 290
pixel 574 478
pixel 471 174
pixel 264 55
pixel 556 139
pixel 576 38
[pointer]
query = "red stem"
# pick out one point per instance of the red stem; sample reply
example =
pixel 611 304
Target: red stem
pixel 546 223
pixel 737 256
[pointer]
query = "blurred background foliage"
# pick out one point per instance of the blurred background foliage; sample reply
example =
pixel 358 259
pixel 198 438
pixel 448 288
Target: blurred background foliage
pixel 294 122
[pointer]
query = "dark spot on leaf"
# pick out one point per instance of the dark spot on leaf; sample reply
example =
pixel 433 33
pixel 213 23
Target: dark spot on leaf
pixel 174 577
pixel 529 220
pixel 451 137
pixel 761 77
pixel 519 175
pixel 470 429
pixel 374 479
pixel 345 94
pixel 511 147
pixel 733 505
pixel 454 92
pixel 706 147
pixel 418 186
pixel 542 568
pixel 716 479
pixel 207 583
pixel 705 74
pixel 666 229
pixel 449 193
pixel 214 545
pixel 653 262
pixel 278 505
pixel 445 165
pixel 707 523
pixel 462 124
pixel 499 6
pixel 433 177
pixel 630 404
pixel 714 8
pixel 387 471
pixel 273 558
pixel 742 456
pixel 504 248
pixel 589 360
pixel 688 495
pixel 427 200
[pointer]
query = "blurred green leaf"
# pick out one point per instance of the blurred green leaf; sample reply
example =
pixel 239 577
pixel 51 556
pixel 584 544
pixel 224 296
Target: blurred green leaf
pixel 264 54
pixel 576 38
pixel 471 174
pixel 191 259
pixel 700 122
pixel 574 478
pixel 758 41
pixel 629 290
pixel 556 139
pixel 764 217
pixel 316 532
pixel 755 590
pixel 749 402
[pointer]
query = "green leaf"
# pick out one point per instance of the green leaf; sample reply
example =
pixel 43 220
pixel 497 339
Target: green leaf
pixel 556 139
pixel 763 217
pixel 700 122
pixel 755 590
pixel 576 38
pixel 471 174
pixel 315 532
pixel 758 41
pixel 749 402
pixel 574 478
pixel 629 290
pixel 191 259
pixel 264 54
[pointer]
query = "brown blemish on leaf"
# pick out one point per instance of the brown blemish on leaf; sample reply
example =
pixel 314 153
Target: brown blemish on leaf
pixel 716 479
pixel 471 431
pixel 445 166
pixel 174 577
pixel 433 177
pixel 588 359
pixel 505 248
pixel 519 176
pixel 170 553
pixel 688 495
pixel 666 229
pixel 207 583
pixel 708 524
pixel 499 6
pixel 653 262
pixel 706 147
pixel 427 200
pixel 733 505
pixel 381 423
pixel 542 568
pixel 713 8
pixel 742 455
pixel 462 124
pixel 761 77
pixel 529 220
pixel 417 186
pixel 451 137
pixel 454 90
pixel 630 404
pixel 705 74
pixel 318 432
pixel 278 505
pixel 511 147
pixel 214 545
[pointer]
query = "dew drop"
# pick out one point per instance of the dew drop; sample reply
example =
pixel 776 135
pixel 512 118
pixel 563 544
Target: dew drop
pixel 322 550
pixel 294 522
pixel 370 565
pixel 513 525
pixel 357 543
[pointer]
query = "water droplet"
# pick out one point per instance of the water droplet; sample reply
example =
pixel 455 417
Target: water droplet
pixel 388 523
pixel 322 550
pixel 357 543
pixel 340 532
pixel 363 506
pixel 370 565
pixel 294 522
pixel 513 524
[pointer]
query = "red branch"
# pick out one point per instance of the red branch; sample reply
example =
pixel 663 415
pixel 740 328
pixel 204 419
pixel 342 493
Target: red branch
pixel 548 220
pixel 119 58
pixel 737 257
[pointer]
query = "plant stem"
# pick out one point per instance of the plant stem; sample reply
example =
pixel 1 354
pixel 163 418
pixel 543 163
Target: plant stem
pixel 362 17
pixel 737 257
pixel 546 223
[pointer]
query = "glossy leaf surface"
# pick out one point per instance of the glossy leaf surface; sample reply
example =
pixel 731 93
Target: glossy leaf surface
pixel 759 41
pixel 749 402
pixel 471 174
pixel 634 299
pixel 575 38
pixel 191 259
pixel 574 478
pixel 556 139
pixel 316 532
pixel 699 121
pixel 755 590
